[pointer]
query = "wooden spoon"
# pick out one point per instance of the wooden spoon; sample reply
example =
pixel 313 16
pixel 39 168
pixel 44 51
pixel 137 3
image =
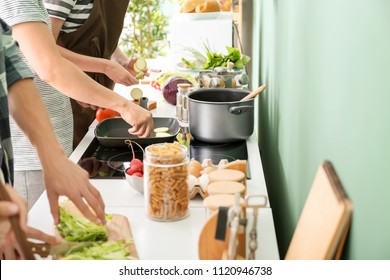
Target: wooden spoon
pixel 254 93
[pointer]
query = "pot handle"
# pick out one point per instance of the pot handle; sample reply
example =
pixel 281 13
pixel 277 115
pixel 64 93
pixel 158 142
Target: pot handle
pixel 239 110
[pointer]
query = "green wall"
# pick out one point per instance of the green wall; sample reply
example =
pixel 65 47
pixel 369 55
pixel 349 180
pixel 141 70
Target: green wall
pixel 327 66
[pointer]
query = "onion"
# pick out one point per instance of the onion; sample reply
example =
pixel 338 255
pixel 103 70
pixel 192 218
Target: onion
pixel 169 88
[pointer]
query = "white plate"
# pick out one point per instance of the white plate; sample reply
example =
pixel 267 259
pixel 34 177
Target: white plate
pixel 201 16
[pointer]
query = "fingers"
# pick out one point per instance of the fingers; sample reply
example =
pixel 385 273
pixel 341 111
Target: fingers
pixel 8 209
pixel 94 199
pixel 54 207
pixel 90 196
pixel 141 131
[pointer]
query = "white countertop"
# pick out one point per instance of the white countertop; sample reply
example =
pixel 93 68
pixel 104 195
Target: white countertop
pixel 167 240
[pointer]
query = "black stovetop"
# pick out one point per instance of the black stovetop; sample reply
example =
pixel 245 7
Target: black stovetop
pixel 110 163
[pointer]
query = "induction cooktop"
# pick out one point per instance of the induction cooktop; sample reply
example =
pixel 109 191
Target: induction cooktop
pixel 110 163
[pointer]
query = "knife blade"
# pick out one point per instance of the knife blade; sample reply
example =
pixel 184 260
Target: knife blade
pixel 56 251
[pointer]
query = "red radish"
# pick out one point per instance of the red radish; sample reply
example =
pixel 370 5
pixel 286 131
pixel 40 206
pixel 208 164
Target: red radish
pixel 138 174
pixel 136 165
pixel 129 171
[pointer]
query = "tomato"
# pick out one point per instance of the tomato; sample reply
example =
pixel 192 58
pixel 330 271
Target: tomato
pixel 103 113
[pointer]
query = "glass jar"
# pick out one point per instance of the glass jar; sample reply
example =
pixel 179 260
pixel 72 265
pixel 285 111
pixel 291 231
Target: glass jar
pixel 182 101
pixel 166 170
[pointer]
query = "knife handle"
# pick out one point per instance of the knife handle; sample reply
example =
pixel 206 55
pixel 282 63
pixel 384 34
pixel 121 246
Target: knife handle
pixel 19 233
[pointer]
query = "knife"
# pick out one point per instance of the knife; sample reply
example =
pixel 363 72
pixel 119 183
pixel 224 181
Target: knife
pixel 56 251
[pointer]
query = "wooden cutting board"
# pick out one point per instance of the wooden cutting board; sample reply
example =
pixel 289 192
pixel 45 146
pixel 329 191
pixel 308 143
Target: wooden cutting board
pixel 118 228
pixel 324 222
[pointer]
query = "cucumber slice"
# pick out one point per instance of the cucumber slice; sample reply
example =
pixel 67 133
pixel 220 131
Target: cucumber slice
pixel 161 129
pixel 140 64
pixel 163 134
pixel 136 93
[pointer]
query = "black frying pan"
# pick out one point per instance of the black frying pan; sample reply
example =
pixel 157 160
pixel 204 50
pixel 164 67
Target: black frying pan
pixel 113 132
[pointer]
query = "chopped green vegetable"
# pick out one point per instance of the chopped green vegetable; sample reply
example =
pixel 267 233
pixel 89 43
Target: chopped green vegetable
pixel 78 228
pixel 110 250
pixel 140 65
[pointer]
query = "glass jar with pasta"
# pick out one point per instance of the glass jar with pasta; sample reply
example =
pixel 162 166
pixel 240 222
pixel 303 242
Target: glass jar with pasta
pixel 166 168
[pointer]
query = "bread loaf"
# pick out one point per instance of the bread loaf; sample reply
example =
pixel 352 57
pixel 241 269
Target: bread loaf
pixel 189 6
pixel 208 6
pixel 200 6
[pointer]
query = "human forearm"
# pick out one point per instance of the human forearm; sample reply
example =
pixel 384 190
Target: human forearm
pixel 84 62
pixel 35 39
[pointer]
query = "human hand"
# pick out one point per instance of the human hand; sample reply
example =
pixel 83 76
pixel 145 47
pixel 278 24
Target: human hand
pixel 140 119
pixel 120 74
pixel 129 65
pixel 9 248
pixel 64 177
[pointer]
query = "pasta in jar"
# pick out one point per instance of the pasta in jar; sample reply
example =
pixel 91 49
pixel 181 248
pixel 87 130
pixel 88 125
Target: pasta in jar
pixel 166 169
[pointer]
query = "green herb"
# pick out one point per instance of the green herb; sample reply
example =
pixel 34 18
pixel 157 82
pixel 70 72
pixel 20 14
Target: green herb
pixel 110 250
pixel 78 228
pixel 211 59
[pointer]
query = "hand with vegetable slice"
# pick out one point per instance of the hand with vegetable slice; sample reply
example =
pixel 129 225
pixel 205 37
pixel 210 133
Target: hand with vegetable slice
pixel 138 67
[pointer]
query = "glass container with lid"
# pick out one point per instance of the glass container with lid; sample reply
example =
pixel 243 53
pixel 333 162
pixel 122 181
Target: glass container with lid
pixel 166 170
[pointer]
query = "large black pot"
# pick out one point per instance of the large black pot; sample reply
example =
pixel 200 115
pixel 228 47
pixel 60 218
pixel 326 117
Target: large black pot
pixel 218 115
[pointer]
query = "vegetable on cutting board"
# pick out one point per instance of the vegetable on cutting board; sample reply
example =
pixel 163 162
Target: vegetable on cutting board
pixel 97 241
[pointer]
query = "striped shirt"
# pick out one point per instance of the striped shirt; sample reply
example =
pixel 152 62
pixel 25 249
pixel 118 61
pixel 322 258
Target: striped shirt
pixel 57 104
pixel 12 69
pixel 73 12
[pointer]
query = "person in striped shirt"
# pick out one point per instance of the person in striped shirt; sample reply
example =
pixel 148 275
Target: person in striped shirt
pixel 87 32
pixel 57 80
pixel 20 99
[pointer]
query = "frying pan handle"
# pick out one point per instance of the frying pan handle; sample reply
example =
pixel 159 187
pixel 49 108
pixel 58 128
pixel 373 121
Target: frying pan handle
pixel 239 110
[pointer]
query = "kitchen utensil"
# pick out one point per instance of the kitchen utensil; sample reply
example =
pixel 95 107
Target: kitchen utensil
pixel 254 93
pixel 45 250
pixel 18 232
pixel 324 221
pixel 210 248
pixel 113 132
pixel 250 203
pixel 219 115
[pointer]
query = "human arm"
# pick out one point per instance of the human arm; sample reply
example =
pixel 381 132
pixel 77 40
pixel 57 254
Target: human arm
pixel 17 206
pixel 61 175
pixel 38 46
pixel 112 69
pixel 126 62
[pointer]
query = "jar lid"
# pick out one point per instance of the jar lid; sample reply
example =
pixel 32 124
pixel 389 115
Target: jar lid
pixel 226 175
pixel 225 187
pixel 166 153
pixel 213 202
pixel 184 85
